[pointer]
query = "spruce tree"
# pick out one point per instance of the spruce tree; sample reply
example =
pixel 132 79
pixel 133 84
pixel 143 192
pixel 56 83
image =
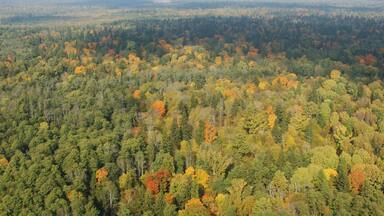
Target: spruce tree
pixel 342 180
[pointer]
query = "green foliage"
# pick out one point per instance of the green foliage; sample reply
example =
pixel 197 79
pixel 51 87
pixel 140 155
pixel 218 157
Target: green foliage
pixel 325 156
pixel 278 113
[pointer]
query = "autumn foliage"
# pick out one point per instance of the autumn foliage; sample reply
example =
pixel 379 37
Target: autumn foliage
pixel 249 114
pixel 169 198
pixel 329 172
pixel 263 85
pixel 166 46
pixel 335 74
pixel 271 117
pixel 159 108
pixel 194 207
pixel 80 70
pixel 218 60
pixel 154 182
pixel 136 94
pixel 357 178
pixel 367 59
pixel 253 52
pixel 210 132
pixel 101 174
pixel 128 195
pixel 3 161
pixel 135 131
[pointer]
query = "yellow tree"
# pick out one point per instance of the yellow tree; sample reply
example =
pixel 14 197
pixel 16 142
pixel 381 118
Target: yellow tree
pixel 3 161
pixel 210 132
pixel 239 195
pixel 335 74
pixel 329 172
pixel 194 207
pixel 118 72
pixel 263 85
pixel 250 89
pixel 101 174
pixel 201 177
pixel 218 61
pixel 80 70
pixel 271 117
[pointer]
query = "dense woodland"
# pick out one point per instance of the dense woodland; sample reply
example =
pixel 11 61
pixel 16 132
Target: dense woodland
pixel 192 116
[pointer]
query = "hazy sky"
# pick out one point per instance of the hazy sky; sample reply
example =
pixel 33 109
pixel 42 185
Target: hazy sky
pixel 133 2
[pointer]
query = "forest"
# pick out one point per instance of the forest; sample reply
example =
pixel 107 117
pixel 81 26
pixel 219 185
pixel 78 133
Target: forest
pixel 217 112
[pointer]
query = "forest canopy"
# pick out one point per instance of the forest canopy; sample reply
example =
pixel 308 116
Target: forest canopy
pixel 223 111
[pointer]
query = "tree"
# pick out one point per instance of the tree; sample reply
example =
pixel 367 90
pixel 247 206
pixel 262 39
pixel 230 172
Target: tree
pixel 325 113
pixel 325 156
pixel 140 163
pixel 322 184
pixel 80 70
pixel 201 177
pixel 330 173
pixel 342 204
pixel 210 133
pixel 357 178
pixel 163 161
pixel 169 210
pixel 238 191
pixel 194 207
pixel 278 186
pixel 159 108
pixel 271 120
pixel 263 207
pixel 186 116
pixel 199 132
pixel 373 198
pixel 127 180
pixel 302 178
pixel 240 147
pixel 107 193
pixel 180 187
pixel 101 174
pixel 77 202
pixel 137 94
pixel 342 180
pixel 214 162
pixel 3 161
pixel 186 150
pixel 224 204
pixel 335 74
pixel 281 124
pixel 175 136
pixel 256 122
pixel 157 182
pixel 316 202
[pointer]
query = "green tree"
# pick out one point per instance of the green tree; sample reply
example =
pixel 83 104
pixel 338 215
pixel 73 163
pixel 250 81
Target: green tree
pixel 342 180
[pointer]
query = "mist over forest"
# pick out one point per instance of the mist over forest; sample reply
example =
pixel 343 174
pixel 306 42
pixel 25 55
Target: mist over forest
pixel 154 3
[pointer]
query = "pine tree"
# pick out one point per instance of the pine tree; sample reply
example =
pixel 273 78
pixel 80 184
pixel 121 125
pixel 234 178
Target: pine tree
pixel 199 133
pixel 373 198
pixel 342 180
pixel 169 210
pixel 185 127
pixel 321 183
pixel 175 136
pixel 166 143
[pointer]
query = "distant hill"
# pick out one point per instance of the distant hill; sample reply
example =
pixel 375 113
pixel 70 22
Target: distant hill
pixel 81 2
pixel 377 4
pixel 335 3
